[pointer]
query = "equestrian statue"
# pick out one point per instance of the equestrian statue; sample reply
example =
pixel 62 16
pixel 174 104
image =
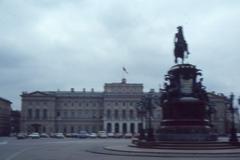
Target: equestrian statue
pixel 180 46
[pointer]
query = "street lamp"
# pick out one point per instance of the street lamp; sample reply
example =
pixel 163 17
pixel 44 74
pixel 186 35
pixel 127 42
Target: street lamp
pixel 145 109
pixel 141 111
pixel 149 107
pixel 233 135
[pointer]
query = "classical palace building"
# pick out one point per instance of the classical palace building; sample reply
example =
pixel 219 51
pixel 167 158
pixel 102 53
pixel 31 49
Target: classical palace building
pixel 113 110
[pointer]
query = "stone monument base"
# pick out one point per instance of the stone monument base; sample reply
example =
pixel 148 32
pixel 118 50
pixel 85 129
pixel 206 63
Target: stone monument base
pixel 186 133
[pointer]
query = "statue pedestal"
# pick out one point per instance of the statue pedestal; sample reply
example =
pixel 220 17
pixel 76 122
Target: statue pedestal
pixel 184 107
pixel 185 121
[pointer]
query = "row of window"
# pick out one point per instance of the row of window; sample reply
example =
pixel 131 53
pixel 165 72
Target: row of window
pixel 69 103
pixel 65 128
pixel 121 103
pixel 80 104
pixel 79 113
pixel 35 114
pixel 116 114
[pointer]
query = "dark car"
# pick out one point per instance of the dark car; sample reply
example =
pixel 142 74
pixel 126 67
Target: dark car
pixel 21 136
pixel 83 134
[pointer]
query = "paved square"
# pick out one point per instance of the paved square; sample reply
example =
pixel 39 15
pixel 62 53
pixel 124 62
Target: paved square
pixel 71 149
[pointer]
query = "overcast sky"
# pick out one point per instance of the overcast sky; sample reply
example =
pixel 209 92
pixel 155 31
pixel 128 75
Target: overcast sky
pixel 62 44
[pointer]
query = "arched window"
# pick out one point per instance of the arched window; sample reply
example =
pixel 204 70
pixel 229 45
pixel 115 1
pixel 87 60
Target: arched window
pixel 132 128
pixel 116 130
pixel 109 127
pixel 124 128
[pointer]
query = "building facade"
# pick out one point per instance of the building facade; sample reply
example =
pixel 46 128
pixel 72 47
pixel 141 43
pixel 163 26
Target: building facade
pixel 5 113
pixel 113 110
pixel 120 114
pixel 15 119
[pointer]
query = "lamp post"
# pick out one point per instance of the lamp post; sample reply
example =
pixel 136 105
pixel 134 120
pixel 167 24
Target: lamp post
pixel 149 107
pixel 233 135
pixel 145 109
pixel 141 111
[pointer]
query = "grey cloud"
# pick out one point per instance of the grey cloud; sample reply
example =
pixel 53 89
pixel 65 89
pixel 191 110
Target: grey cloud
pixel 50 45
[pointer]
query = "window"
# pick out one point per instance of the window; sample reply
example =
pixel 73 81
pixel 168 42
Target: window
pixel 124 114
pixel 72 129
pixel 45 114
pixel 94 113
pixel 131 114
pixel 65 114
pixel 79 113
pixel 116 116
pixel 43 129
pixel 109 114
pixel 72 114
pixel 58 114
pixel 37 114
pixel 29 114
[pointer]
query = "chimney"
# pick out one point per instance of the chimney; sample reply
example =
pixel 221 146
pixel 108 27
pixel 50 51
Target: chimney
pixel 92 90
pixel 84 89
pixel 72 89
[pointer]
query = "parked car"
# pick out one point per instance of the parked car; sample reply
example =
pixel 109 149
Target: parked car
pixel 128 135
pixel 118 135
pixel 83 134
pixel 59 135
pixel 53 135
pixel 110 135
pixel 75 135
pixel 34 135
pixel 102 134
pixel 21 136
pixel 92 135
pixel 69 135
pixel 238 135
pixel 44 135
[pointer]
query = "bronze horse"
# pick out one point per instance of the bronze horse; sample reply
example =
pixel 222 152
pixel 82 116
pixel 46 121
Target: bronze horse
pixel 180 45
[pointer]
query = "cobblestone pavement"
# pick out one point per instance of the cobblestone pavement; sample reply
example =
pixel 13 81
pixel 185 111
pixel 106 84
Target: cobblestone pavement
pixel 74 149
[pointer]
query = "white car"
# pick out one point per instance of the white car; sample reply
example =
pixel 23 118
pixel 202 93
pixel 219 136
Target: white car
pixel 102 134
pixel 92 135
pixel 110 135
pixel 128 135
pixel 59 135
pixel 34 135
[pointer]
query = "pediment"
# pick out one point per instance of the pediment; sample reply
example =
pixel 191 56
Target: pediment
pixel 38 93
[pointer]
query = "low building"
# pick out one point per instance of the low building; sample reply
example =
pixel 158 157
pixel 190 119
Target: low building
pixel 15 120
pixel 5 112
pixel 220 114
